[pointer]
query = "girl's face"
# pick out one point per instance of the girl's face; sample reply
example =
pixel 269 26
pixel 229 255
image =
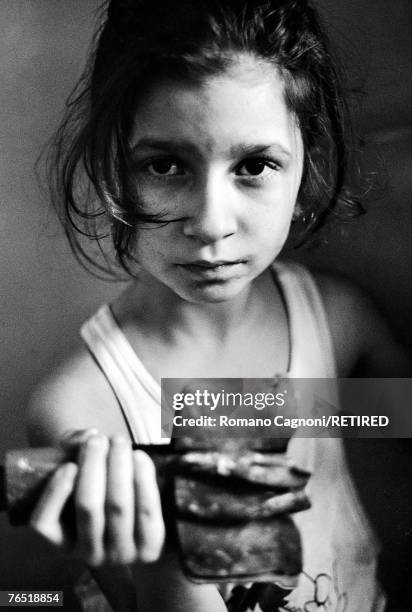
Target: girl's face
pixel 223 160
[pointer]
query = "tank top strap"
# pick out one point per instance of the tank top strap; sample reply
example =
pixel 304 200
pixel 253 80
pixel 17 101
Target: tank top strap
pixel 312 354
pixel 136 390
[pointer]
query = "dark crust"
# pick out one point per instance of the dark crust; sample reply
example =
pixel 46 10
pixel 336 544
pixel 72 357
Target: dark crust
pixel 269 546
pixel 234 502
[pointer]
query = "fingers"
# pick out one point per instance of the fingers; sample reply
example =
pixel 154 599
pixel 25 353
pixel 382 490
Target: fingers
pixel 149 525
pixel 90 500
pixel 119 506
pixel 45 518
pixel 116 500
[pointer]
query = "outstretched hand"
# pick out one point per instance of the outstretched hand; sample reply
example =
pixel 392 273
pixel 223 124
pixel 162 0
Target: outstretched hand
pixel 116 500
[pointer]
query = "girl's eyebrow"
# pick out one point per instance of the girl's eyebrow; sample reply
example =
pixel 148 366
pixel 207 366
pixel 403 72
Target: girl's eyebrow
pixel 245 150
pixel 164 145
pixel 238 150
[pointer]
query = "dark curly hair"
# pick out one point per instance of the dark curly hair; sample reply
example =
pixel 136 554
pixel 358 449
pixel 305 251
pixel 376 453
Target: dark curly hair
pixel 140 41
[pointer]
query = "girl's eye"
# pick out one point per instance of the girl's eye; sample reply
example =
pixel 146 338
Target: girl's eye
pixel 256 166
pixel 163 167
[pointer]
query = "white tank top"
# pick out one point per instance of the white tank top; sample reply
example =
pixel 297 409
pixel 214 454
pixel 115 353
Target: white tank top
pixel 339 548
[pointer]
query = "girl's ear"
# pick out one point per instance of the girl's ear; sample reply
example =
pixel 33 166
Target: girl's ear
pixel 298 212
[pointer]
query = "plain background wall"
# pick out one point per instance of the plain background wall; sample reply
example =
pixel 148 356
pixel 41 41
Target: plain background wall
pixel 45 295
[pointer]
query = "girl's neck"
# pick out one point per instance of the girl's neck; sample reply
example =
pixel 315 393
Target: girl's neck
pixel 159 310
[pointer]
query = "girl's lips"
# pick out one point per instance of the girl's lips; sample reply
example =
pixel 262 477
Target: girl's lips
pixel 217 270
pixel 203 263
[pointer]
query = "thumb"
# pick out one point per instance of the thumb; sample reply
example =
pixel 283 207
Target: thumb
pixel 46 516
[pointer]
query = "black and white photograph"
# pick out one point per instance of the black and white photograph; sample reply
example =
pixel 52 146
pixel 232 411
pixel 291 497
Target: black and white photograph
pixel 206 305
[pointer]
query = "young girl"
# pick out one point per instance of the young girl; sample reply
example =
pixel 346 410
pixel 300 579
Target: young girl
pixel 205 131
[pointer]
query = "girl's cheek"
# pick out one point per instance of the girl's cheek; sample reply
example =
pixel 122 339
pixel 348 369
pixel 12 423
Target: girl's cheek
pixel 161 199
pixel 153 240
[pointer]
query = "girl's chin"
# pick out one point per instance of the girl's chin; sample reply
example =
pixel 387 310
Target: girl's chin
pixel 211 292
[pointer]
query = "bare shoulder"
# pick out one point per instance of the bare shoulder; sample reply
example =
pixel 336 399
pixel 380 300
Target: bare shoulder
pixel 76 395
pixel 363 341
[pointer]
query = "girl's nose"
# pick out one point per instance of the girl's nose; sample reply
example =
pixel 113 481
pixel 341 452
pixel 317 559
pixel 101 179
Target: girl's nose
pixel 212 215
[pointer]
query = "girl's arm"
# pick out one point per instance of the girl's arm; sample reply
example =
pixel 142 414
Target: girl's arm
pixel 158 586
pixel 363 342
pixel 120 528
pixel 163 586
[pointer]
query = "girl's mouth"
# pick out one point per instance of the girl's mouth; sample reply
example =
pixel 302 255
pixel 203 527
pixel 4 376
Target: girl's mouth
pixel 219 270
